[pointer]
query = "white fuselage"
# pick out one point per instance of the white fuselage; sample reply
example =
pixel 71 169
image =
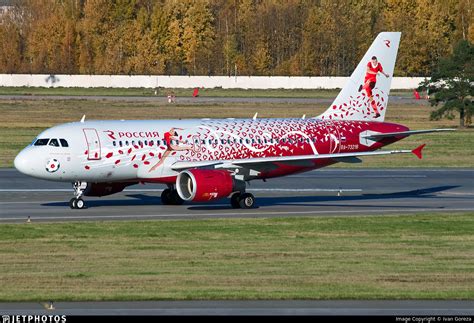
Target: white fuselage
pixel 111 151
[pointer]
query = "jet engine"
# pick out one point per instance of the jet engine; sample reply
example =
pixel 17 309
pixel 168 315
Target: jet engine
pixel 201 185
pixel 104 189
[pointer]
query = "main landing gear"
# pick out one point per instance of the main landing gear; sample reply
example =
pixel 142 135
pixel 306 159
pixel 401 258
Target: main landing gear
pixel 77 202
pixel 170 196
pixel 242 200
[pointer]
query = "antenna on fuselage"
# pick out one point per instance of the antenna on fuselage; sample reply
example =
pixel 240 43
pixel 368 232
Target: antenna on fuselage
pixel 255 116
pixel 303 117
pixel 83 118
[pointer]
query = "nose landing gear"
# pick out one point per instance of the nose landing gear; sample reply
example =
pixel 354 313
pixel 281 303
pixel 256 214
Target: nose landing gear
pixel 77 202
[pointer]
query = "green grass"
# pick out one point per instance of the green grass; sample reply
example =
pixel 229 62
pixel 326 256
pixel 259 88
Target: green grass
pixel 426 256
pixel 163 92
pixel 23 120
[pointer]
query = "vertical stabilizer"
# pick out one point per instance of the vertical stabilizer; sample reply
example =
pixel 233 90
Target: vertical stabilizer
pixel 354 101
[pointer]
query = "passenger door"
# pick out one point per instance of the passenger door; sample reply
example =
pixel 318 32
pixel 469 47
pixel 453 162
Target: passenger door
pixel 93 144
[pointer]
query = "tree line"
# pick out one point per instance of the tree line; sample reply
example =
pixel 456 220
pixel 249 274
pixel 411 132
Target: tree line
pixel 225 37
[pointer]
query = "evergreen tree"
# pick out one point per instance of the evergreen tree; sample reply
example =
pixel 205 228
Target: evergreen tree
pixel 452 85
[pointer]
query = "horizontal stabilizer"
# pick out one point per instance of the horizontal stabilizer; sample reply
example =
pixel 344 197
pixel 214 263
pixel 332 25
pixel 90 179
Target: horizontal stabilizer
pixel 349 160
pixel 352 157
pixel 417 151
pixel 377 136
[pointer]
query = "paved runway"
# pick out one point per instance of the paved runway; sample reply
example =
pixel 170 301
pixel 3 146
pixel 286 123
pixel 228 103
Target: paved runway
pixel 325 192
pixel 382 307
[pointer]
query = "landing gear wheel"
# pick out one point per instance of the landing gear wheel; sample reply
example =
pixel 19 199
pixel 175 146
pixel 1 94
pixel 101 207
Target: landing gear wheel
pixel 72 203
pixel 166 197
pixel 80 203
pixel 76 202
pixel 175 198
pixel 234 200
pixel 246 201
pixel 171 197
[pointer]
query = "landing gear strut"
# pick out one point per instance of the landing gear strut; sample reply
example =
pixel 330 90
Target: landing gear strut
pixel 77 202
pixel 170 196
pixel 242 200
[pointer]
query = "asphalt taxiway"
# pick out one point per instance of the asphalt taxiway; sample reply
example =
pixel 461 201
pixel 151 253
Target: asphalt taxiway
pixel 325 192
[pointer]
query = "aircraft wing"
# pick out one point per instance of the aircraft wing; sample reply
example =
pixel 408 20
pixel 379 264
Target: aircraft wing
pixel 295 160
pixel 377 136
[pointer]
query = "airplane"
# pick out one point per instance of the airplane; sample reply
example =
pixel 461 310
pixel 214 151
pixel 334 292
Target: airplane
pixel 210 159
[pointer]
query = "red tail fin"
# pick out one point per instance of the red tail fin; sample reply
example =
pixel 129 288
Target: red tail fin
pixel 417 151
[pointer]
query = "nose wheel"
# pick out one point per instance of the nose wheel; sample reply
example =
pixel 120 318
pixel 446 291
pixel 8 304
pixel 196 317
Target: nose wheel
pixel 242 200
pixel 77 202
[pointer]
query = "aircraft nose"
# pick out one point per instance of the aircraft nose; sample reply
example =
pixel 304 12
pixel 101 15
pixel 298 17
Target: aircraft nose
pixel 22 163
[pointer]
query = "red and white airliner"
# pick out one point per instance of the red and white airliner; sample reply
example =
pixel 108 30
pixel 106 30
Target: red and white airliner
pixel 209 159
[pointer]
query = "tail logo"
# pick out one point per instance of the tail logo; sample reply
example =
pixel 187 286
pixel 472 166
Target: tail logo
pixel 387 43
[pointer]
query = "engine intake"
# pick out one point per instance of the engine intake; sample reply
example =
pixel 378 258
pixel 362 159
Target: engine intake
pixel 201 185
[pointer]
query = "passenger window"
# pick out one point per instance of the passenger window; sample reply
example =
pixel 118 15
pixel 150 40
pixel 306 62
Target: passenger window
pixel 64 143
pixel 54 143
pixel 41 142
pixel 120 143
pixel 114 143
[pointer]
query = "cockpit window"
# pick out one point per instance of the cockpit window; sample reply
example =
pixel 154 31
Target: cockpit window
pixel 64 142
pixel 54 143
pixel 42 142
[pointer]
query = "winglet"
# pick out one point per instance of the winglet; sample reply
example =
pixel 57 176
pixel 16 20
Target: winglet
pixel 417 151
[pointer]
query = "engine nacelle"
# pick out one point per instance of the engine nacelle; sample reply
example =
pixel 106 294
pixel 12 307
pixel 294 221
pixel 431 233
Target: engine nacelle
pixel 201 185
pixel 104 189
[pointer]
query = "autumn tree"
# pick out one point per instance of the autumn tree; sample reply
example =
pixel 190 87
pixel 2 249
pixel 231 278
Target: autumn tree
pixel 218 37
pixel 261 58
pixel 10 43
pixel 50 39
pixel 198 36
